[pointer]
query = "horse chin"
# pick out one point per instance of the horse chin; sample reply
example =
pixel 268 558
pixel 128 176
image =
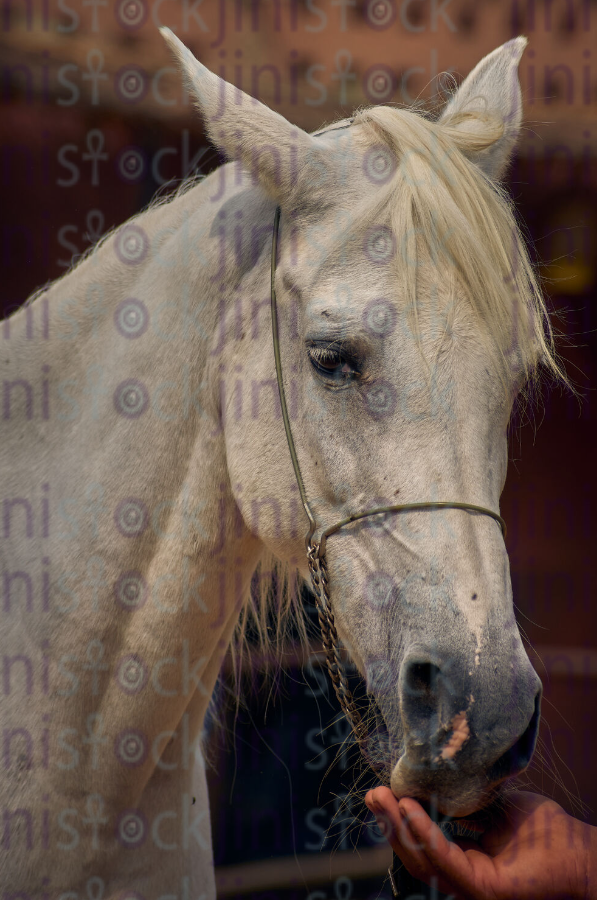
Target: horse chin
pixel 456 801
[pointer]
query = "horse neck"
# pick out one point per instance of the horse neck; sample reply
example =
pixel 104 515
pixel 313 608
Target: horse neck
pixel 71 314
pixel 198 255
pixel 195 554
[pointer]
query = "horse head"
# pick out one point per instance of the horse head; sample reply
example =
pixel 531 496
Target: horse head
pixel 409 321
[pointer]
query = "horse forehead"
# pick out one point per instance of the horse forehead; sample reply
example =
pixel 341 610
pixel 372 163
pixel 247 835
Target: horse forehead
pixel 332 257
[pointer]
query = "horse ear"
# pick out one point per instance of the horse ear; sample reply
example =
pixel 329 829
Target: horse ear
pixel 493 88
pixel 275 151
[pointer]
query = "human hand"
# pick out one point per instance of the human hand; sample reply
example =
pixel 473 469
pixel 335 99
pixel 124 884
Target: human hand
pixel 533 851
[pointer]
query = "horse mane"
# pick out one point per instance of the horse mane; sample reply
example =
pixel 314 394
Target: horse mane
pixel 441 205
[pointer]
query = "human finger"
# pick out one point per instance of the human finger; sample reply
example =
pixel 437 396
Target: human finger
pixel 460 867
pixel 396 829
pixel 468 872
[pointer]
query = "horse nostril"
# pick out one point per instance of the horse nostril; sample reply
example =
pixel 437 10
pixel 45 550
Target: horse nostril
pixel 517 758
pixel 421 679
pixel 422 688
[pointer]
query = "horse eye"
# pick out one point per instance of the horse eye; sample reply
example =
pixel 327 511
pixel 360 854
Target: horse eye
pixel 332 363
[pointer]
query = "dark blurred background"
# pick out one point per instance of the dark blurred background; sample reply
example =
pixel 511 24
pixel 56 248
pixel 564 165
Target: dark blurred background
pixel 95 120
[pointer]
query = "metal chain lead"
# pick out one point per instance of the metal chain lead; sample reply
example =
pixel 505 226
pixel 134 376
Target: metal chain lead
pixel 319 580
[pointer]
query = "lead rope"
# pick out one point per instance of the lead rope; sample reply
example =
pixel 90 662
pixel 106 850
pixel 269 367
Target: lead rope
pixel 329 637
pixel 401 883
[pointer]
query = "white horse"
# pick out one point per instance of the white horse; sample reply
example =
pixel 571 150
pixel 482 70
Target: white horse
pixel 146 474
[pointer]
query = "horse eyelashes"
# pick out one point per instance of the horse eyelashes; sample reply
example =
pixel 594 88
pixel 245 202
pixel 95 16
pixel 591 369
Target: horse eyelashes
pixel 333 363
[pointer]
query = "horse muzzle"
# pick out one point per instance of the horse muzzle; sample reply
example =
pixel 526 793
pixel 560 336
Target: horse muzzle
pixel 465 729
